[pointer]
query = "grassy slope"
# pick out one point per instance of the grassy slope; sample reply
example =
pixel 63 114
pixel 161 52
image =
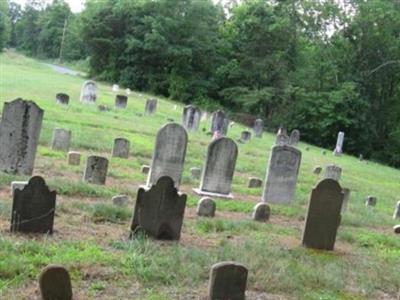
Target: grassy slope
pixel 91 235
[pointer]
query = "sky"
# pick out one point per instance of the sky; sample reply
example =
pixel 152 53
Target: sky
pixel 76 5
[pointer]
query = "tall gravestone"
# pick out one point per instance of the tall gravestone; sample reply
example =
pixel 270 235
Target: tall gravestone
pixel 96 170
pixel 121 148
pixel 62 98
pixel 216 179
pixel 282 172
pixel 121 101
pixel 339 144
pixel 20 127
pixel 294 138
pixel 159 210
pixel 258 128
pixel 191 117
pixel 323 215
pixel 33 208
pixel 55 283
pixel 88 92
pixel 333 172
pixel 151 106
pixel 61 139
pixel 169 154
pixel 219 122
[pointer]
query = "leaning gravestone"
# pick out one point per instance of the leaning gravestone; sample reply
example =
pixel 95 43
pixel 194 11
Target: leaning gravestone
pixel 294 138
pixel 245 136
pixel 96 170
pixel 169 154
pixel 62 98
pixel 33 208
pixel 339 144
pixel 228 281
pixel 282 173
pixel 191 117
pixel 20 127
pixel 219 122
pixel 121 148
pixel 218 171
pixel 258 128
pixel 121 101
pixel 396 214
pixel 61 139
pixel 151 106
pixel 55 283
pixel 333 172
pixel 88 92
pixel 323 216
pixel 159 210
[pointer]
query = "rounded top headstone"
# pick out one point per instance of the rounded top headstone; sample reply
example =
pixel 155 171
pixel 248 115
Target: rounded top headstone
pixel 55 283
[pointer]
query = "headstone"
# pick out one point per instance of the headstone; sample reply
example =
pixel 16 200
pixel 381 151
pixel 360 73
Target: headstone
pixel 74 158
pixel 360 157
pixel 261 212
pixel 245 136
pixel 55 283
pixel 254 182
pixel 20 185
pixel 121 101
pixel 346 198
pixel 20 127
pixel 120 200
pixel 128 91
pixel 61 139
pixel 159 210
pixel 371 201
pixel 169 154
pixel 33 208
pixel 219 122
pixel 323 215
pixel 333 172
pixel 102 107
pixel 145 169
pixel 317 170
pixel 396 214
pixel 282 137
pixel 191 117
pixel 62 98
pixel 396 229
pixel 195 173
pixel 88 92
pixel 96 170
pixel 294 138
pixel 218 171
pixel 121 148
pixel 282 172
pixel 151 106
pixel 228 281
pixel 258 128
pixel 115 88
pixel 206 207
pixel 339 144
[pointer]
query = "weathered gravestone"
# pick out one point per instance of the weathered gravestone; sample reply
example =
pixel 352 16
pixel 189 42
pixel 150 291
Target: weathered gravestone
pixel 323 215
pixel 261 212
pixel 339 144
pixel 317 170
pixel 219 122
pixel 191 117
pixel 333 172
pixel 33 208
pixel 282 137
pixel 294 138
pixel 371 201
pixel 254 182
pixel 195 173
pixel 55 283
pixel 346 198
pixel 228 281
pixel 218 171
pixel 145 169
pixel 169 154
pixel 74 158
pixel 245 136
pixel 396 214
pixel 206 207
pixel 96 170
pixel 120 200
pixel 121 148
pixel 151 106
pixel 62 98
pixel 121 101
pixel 61 139
pixel 20 127
pixel 281 178
pixel 88 92
pixel 159 210
pixel 396 229
pixel 258 128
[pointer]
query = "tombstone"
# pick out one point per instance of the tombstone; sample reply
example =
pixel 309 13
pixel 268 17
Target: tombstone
pixel 258 128
pixel 128 91
pixel 206 207
pixel 360 157
pixel 294 138
pixel 219 167
pixel 245 136
pixel 334 172
pixel 62 98
pixel 121 101
pixel 371 201
pixel 74 158
pixel 20 127
pixel 145 169
pixel 317 170
pixel 254 182
pixel 228 280
pixel 323 215
pixel 159 210
pixel 151 106
pixel 169 154
pixel 346 198
pixel 121 148
pixel 195 173
pixel 261 212
pixel 191 117
pixel 20 185
pixel 55 283
pixel 120 200
pixel 102 107
pixel 396 214
pixel 33 208
pixel 282 172
pixel 282 137
pixel 339 144
pixel 396 229
pixel 96 170
pixel 88 92
pixel 219 122
pixel 61 139
pixel 115 88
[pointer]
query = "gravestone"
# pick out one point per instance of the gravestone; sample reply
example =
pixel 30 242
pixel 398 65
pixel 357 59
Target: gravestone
pixel 294 138
pixel 20 127
pixel 62 98
pixel 55 283
pixel 120 200
pixel 102 107
pixel 206 207
pixel 228 281
pixel 121 148
pixel 323 215
pixel 334 172
pixel 396 214
pixel 96 170
pixel 61 139
pixel 254 182
pixel 282 173
pixel 145 169
pixel 371 201
pixel 121 101
pixel 74 158
pixel 159 210
pixel 195 173
pixel 33 208
pixel 282 137
pixel 258 128
pixel 128 91
pixel 115 88
pixel 151 106
pixel 245 136
pixel 219 122
pixel 346 198
pixel 20 185
pixel 219 167
pixel 339 144
pixel 88 92
pixel 396 229
pixel 191 117
pixel 261 212
pixel 169 154
pixel 317 170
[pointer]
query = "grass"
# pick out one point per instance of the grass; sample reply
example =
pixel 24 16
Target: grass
pixel 91 235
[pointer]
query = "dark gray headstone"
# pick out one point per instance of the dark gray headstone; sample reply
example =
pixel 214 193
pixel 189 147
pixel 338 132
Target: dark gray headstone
pixel 55 283
pixel 258 128
pixel 121 148
pixel 317 170
pixel 371 201
pixel 255 182
pixel 96 170
pixel 88 92
pixel 20 185
pixel 206 207
pixel 151 106
pixel 219 122
pixel 396 214
pixel 62 98
pixel 396 229
pixel 121 101
pixel 261 212
pixel 191 117
pixel 195 173
pixel 61 139
pixel 145 169
pixel 120 200
pixel 294 138
pixel 245 136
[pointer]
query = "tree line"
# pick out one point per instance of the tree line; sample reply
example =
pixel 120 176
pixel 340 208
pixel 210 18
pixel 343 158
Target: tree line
pixel 320 66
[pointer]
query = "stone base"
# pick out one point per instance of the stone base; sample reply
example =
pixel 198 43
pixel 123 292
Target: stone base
pixel 211 194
